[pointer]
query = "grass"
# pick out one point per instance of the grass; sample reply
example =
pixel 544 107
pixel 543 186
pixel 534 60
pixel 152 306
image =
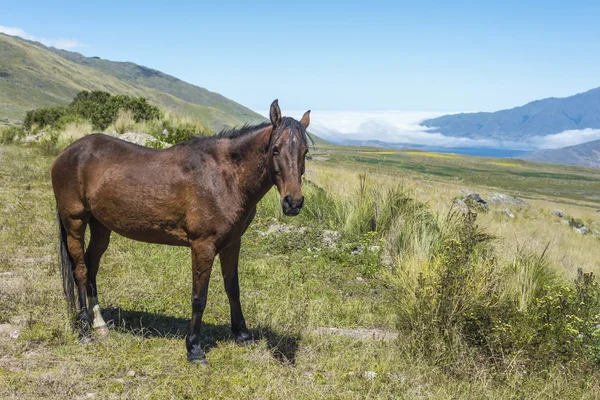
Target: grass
pixel 414 281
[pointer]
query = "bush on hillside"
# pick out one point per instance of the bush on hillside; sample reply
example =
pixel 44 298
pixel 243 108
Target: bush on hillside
pixel 100 108
pixel 12 133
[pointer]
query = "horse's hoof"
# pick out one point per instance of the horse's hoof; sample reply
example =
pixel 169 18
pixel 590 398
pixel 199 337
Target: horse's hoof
pixel 244 338
pixel 101 330
pixel 199 361
pixel 85 339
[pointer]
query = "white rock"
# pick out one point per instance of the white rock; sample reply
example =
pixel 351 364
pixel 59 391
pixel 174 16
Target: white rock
pixel 137 138
pixel 507 212
pixel 370 374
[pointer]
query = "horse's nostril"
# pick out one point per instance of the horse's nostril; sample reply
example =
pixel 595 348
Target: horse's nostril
pixel 301 202
pixel 288 200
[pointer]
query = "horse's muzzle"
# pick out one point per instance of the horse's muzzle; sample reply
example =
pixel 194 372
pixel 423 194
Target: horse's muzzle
pixel 292 206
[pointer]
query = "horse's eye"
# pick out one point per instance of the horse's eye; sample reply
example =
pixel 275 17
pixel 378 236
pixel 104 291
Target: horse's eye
pixel 275 151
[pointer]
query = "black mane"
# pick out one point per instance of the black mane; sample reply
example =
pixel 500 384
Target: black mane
pixel 286 122
pixel 234 133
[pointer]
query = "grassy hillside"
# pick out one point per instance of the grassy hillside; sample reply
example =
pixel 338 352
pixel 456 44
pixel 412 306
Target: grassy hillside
pixel 33 76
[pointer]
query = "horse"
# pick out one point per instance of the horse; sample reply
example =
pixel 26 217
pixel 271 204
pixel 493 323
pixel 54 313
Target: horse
pixel 201 193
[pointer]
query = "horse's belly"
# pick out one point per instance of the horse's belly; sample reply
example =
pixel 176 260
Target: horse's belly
pixel 173 238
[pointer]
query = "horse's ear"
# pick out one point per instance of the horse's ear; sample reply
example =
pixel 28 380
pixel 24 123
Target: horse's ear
pixel 275 114
pixel 305 119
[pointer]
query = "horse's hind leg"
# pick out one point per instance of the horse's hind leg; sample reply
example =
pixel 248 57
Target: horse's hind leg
pixel 99 239
pixel 75 228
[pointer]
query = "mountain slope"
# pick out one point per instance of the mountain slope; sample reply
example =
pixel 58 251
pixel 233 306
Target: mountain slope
pixel 32 76
pixel 538 118
pixel 585 155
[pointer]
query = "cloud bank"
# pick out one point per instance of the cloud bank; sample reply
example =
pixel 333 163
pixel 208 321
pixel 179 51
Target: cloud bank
pixel 64 44
pixel 404 127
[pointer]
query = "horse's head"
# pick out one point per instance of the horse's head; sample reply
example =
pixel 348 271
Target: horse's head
pixel 288 148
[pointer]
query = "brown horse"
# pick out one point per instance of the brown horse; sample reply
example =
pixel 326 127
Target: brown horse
pixel 201 193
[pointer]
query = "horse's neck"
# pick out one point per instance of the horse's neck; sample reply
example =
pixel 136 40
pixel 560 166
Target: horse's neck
pixel 253 169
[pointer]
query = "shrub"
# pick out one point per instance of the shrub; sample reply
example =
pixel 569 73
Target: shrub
pixel 43 117
pixel 8 135
pixel 100 108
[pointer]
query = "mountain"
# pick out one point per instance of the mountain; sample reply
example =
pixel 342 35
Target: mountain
pixel 585 155
pixel 538 118
pixel 33 75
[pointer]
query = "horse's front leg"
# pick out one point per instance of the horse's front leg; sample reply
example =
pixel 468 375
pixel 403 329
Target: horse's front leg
pixel 203 255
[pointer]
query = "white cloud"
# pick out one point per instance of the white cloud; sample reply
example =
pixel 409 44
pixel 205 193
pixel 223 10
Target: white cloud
pixel 566 138
pixel 404 127
pixel 58 43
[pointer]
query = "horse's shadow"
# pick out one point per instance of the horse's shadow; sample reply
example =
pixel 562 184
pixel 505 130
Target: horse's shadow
pixel 283 347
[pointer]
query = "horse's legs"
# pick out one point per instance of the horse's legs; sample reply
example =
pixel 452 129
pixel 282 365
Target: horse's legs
pixel 99 239
pixel 203 255
pixel 229 266
pixel 75 228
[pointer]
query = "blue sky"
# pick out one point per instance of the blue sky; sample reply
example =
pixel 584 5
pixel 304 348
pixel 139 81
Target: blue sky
pixel 348 56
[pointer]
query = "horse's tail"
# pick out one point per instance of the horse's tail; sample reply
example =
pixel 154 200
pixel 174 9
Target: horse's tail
pixel 66 266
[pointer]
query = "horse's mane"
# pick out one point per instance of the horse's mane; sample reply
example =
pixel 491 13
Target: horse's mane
pixel 235 133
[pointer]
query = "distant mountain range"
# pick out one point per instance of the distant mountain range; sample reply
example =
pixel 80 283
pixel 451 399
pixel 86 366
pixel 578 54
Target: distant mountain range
pixel 33 75
pixel 538 118
pixel 585 155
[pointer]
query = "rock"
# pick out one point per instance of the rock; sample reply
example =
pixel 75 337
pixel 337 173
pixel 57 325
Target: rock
pixel 33 138
pixel 475 202
pixel 137 138
pixel 113 134
pixel 330 238
pixel 165 133
pixel 370 374
pixel 358 249
pixel 461 206
pixel 584 230
pixel 564 222
pixel 504 199
pixel 131 373
pixel 283 228
pixel 7 273
pixel 507 212
pixel 276 228
pixel 595 232
pixel 558 213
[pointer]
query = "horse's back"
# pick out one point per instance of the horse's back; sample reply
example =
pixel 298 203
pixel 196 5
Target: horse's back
pixel 131 189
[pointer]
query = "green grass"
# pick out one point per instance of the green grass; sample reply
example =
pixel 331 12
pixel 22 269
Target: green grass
pixel 526 179
pixel 287 293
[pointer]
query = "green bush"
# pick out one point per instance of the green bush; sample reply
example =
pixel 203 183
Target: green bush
pixel 43 117
pixel 8 135
pixel 100 108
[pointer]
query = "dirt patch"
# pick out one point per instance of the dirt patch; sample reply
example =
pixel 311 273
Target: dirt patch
pixel 360 333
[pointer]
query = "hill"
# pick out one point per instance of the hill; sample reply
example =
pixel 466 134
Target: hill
pixel 585 155
pixel 33 75
pixel 538 118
